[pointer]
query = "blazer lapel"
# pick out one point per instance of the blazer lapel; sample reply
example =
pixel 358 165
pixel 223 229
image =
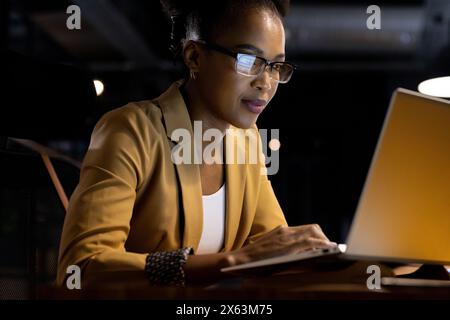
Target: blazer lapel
pixel 234 189
pixel 176 116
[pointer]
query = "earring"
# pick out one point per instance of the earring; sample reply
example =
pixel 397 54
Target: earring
pixel 193 75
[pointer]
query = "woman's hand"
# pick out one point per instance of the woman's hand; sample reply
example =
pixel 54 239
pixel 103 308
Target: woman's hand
pixel 281 241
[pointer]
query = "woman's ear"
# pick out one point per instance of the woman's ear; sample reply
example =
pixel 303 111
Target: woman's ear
pixel 191 54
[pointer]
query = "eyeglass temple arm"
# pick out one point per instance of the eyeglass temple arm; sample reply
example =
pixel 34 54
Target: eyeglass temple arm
pixel 218 48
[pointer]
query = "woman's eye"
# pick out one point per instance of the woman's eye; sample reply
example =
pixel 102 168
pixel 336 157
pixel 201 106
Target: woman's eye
pixel 277 67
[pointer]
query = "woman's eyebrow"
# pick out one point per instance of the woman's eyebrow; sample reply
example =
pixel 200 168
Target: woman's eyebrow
pixel 249 47
pixel 257 50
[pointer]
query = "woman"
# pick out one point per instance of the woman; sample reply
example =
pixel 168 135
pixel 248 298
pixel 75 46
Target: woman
pixel 135 213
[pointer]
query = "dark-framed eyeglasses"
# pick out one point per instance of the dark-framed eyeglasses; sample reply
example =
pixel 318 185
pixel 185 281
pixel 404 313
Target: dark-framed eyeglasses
pixel 251 65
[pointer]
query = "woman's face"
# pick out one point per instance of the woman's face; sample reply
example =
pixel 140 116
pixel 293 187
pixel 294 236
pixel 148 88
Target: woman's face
pixel 230 97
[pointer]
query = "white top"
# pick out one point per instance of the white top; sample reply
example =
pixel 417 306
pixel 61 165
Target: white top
pixel 213 232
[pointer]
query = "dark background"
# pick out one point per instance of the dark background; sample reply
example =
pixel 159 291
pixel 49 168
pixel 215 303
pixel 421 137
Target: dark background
pixel 329 115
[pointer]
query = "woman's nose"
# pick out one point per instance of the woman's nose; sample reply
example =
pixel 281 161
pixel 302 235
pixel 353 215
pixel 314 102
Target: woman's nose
pixel 263 81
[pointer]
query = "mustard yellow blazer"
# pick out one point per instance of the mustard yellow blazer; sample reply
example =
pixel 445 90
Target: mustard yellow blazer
pixel 132 199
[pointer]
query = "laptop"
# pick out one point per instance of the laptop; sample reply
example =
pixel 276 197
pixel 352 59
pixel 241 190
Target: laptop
pixel 403 214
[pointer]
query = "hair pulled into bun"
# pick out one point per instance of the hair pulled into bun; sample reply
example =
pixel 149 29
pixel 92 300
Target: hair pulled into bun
pixel 197 19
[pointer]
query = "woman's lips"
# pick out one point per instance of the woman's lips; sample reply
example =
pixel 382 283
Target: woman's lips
pixel 255 106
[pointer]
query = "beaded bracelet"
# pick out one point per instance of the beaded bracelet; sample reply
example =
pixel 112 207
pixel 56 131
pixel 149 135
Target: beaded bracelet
pixel 166 267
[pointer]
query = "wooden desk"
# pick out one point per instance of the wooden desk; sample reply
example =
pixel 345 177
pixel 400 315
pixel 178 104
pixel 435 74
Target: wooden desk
pixel 291 284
